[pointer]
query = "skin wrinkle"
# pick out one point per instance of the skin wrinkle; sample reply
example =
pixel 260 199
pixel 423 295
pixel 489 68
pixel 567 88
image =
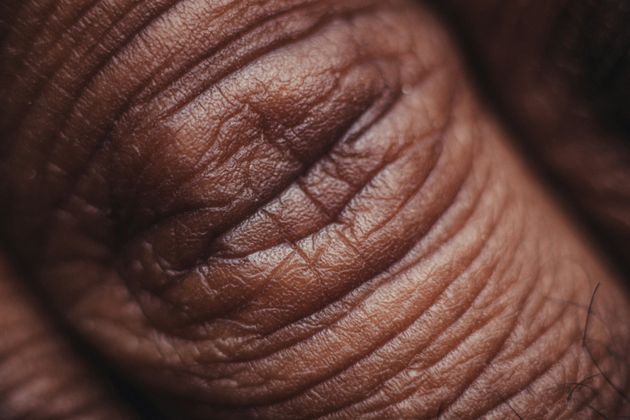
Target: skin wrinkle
pixel 333 221
pixel 94 154
pixel 364 357
pixel 179 212
pixel 493 356
pixel 79 178
pixel 539 336
pixel 416 287
pixel 344 138
pixel 541 372
pixel 569 119
pixel 332 218
pixel 499 351
pixel 492 267
pixel 77 182
pixel 40 375
pixel 340 410
pixel 257 27
pixel 63 63
pixel 387 278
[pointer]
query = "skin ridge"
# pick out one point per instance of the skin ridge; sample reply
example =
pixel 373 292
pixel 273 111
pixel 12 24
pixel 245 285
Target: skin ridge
pixel 564 137
pixel 43 374
pixel 377 109
pixel 94 155
pixel 460 325
pixel 384 405
pixel 358 133
pixel 365 286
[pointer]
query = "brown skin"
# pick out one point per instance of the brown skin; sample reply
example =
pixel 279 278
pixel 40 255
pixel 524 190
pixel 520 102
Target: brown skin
pixel 559 73
pixel 42 376
pixel 301 209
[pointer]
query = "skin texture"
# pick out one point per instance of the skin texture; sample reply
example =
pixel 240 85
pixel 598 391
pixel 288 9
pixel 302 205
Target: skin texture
pixel 295 209
pixel 559 72
pixel 42 376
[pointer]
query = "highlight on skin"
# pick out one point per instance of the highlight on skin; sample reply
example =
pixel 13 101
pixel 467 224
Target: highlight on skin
pixel 293 209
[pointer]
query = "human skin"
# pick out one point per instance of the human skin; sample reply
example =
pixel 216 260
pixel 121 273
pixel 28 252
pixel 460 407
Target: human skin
pixel 42 376
pixel 292 209
pixel 567 94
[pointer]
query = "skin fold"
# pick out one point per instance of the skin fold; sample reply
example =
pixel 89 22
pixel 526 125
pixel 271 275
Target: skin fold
pixel 42 377
pixel 293 209
pixel 560 74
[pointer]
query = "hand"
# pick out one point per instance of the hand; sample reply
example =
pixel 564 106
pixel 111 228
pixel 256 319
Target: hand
pixel 296 209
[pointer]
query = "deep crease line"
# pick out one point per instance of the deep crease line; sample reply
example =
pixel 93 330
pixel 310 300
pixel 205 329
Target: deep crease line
pixel 373 114
pixel 382 387
pixel 220 77
pixel 563 353
pixel 380 273
pixel 352 133
pixel 224 73
pixel 389 279
pixel 377 346
pixel 313 29
pixel 323 20
pixel 332 217
pixel 120 112
pixel 24 61
pixel 40 88
pixel 441 333
pixel 218 235
pixel 310 234
pixel 500 349
pixel 369 292
pixel 148 157
pixel 376 275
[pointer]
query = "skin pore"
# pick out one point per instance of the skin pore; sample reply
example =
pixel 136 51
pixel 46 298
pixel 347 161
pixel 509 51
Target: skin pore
pixel 309 209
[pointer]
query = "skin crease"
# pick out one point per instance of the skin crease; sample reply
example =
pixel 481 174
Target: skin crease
pixel 41 375
pixel 261 209
pixel 566 92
